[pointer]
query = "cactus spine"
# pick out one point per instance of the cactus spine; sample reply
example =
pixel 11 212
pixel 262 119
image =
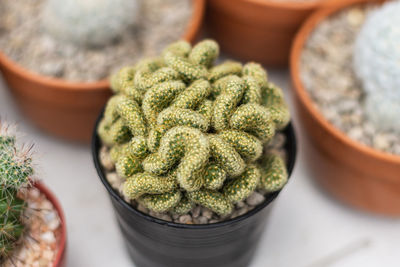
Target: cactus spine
pixel 183 131
pixel 15 171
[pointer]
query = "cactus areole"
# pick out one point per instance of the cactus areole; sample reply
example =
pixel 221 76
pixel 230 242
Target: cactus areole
pixel 184 131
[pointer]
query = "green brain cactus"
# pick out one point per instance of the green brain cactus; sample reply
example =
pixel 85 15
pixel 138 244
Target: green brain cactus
pixel 183 131
pixel 15 171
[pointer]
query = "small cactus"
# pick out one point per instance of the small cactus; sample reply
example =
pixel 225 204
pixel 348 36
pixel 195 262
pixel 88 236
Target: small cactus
pixel 183 131
pixel 15 172
pixel 377 64
pixel 91 23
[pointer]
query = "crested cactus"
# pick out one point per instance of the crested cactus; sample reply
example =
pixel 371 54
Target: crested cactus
pixel 91 23
pixel 15 171
pixel 377 65
pixel 182 131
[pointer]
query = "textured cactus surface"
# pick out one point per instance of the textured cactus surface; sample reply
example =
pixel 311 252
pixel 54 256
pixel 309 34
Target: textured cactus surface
pixel 89 22
pixel 377 64
pixel 15 170
pixel 183 131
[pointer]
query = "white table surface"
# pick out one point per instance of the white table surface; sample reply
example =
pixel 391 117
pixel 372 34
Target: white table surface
pixel 307 228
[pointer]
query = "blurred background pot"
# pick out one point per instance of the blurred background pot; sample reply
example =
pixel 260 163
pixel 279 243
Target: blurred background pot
pixel 68 109
pixel 354 173
pixel 153 242
pixel 259 30
pixel 59 260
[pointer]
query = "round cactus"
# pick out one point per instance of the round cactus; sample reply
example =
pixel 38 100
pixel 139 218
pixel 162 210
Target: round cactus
pixel 15 171
pixel 90 22
pixel 183 131
pixel 377 65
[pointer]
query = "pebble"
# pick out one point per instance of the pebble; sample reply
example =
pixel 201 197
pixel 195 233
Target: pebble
pixel 255 199
pixel 48 237
pixel 114 180
pixel 240 204
pixel 200 220
pixel 196 211
pixel 52 220
pixel 162 216
pixel 46 205
pixel 34 193
pixel 185 218
pixel 142 208
pixel 206 213
pixel 327 74
pixel 105 159
pixel 381 142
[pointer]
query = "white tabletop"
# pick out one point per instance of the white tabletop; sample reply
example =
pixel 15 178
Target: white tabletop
pixel 307 228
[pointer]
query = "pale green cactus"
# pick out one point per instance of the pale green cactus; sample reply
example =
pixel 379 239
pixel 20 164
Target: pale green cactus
pixel 376 62
pixel 15 172
pixel 92 23
pixel 196 130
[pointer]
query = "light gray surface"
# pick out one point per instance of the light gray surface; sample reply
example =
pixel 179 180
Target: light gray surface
pixel 307 227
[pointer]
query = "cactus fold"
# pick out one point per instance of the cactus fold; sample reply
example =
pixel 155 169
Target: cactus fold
pixel 196 133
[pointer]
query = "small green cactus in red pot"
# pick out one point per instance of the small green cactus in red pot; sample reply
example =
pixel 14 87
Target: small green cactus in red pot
pixel 15 173
pixel 183 131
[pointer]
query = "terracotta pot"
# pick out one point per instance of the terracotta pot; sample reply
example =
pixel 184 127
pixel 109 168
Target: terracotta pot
pixel 259 30
pixel 60 257
pixel 68 109
pixel 354 173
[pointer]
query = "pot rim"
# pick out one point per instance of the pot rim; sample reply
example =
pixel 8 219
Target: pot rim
pixel 296 51
pixel 291 5
pixel 95 146
pixel 192 29
pixel 63 238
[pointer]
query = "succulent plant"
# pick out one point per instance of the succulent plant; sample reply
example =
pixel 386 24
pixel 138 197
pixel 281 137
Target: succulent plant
pixel 92 23
pixel 15 171
pixel 377 65
pixel 183 131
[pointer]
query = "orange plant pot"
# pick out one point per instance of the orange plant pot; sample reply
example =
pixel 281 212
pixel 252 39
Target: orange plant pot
pixel 259 30
pixel 352 172
pixel 68 109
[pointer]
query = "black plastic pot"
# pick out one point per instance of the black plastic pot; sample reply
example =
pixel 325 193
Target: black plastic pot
pixel 152 242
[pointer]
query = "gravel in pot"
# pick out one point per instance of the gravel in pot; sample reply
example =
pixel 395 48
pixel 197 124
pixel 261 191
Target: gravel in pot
pixel 328 74
pixel 344 67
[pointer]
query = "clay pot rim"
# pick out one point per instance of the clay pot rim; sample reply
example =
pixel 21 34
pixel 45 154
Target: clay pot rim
pixel 290 146
pixel 291 4
pixel 296 51
pixel 190 33
pixel 63 238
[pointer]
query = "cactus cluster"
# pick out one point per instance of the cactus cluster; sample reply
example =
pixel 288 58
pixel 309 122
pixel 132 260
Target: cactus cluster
pixel 92 23
pixel 183 131
pixel 15 171
pixel 377 64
